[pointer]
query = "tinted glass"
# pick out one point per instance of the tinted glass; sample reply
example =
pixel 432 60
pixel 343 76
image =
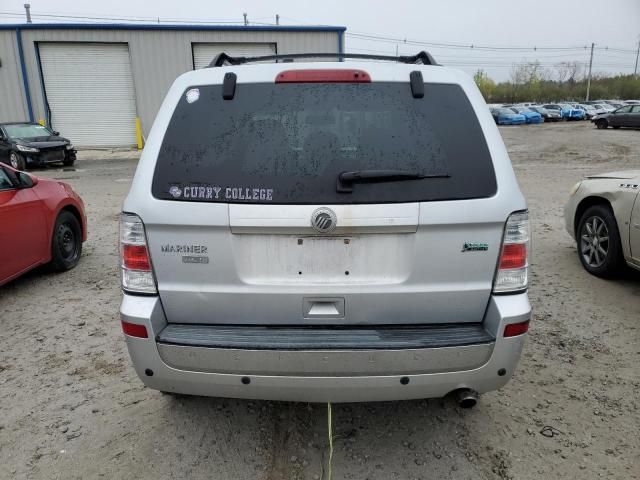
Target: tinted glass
pixel 287 143
pixel 635 109
pixel 27 131
pixel 624 110
pixel 5 182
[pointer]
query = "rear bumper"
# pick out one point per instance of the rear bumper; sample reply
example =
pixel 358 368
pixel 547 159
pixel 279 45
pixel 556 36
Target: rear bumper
pixel 339 375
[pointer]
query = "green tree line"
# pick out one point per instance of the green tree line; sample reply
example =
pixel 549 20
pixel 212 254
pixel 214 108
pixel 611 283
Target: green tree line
pixel 531 83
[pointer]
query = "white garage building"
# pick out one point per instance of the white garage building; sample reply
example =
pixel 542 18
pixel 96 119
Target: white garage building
pixel 93 81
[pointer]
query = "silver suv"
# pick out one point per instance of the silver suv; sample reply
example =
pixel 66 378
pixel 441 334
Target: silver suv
pixel 325 231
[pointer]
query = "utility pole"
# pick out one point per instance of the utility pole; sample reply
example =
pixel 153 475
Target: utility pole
pixel 245 19
pixel 277 19
pixel 589 80
pixel 27 9
pixel 635 70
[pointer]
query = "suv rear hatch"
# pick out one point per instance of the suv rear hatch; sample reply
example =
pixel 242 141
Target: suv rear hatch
pixel 242 180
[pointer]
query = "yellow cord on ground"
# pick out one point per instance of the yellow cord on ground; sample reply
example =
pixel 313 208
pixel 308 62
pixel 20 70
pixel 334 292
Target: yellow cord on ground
pixel 330 440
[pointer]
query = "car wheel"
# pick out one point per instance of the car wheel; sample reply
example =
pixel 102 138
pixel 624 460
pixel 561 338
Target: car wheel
pixel 599 246
pixel 67 162
pixel 601 124
pixel 66 246
pixel 17 161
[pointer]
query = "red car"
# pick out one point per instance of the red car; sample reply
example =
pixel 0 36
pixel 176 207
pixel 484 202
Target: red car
pixel 41 221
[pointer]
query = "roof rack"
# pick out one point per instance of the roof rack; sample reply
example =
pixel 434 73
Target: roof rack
pixel 422 57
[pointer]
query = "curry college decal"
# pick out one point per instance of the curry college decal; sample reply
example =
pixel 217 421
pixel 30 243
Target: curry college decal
pixel 210 192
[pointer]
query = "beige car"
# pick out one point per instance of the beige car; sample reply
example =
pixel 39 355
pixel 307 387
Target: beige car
pixel 603 216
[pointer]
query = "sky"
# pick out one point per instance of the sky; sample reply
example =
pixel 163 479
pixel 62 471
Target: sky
pixel 502 32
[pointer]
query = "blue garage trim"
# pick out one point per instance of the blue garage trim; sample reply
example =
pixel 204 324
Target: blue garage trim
pixel 134 26
pixel 25 79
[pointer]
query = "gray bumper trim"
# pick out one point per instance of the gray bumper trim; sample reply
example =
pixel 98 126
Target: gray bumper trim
pixel 327 363
pixel 324 338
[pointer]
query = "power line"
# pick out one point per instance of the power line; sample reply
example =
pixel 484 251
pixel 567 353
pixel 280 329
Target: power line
pixel 357 35
pixel 456 45
pixel 60 17
pixel 380 38
pixel 614 54
pixel 490 59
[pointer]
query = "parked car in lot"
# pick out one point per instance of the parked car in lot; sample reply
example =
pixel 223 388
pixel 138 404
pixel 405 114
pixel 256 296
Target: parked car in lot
pixel 589 110
pixel 548 115
pixel 603 216
pixel 615 104
pixel 600 108
pixel 25 144
pixel 567 112
pixel 605 107
pixel 262 196
pixel 43 222
pixel 627 116
pixel 529 115
pixel 506 116
pixel 556 109
pixel 572 113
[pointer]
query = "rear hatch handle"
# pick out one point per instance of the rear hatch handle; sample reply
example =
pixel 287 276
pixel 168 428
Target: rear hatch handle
pixel 347 179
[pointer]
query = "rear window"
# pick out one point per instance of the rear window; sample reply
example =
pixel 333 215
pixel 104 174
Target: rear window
pixel 287 144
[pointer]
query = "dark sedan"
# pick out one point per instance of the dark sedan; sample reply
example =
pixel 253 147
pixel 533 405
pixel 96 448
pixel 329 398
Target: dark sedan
pixel 628 116
pixel 24 144
pixel 548 115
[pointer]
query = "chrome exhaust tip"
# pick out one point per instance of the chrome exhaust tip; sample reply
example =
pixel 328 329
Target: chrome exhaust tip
pixel 466 398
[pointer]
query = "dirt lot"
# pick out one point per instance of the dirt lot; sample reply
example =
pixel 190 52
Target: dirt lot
pixel 72 406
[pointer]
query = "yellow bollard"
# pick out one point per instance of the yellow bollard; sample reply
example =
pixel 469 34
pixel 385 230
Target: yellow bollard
pixel 139 134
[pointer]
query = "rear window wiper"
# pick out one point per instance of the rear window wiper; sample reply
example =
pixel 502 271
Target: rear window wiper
pixel 347 179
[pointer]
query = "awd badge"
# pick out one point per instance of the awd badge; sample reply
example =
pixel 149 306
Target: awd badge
pixel 475 247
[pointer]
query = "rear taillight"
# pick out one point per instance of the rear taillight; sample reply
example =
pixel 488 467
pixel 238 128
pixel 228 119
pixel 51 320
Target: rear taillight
pixel 513 265
pixel 137 275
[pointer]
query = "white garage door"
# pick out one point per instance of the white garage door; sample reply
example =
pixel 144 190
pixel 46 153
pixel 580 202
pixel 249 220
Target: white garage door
pixel 204 53
pixel 90 92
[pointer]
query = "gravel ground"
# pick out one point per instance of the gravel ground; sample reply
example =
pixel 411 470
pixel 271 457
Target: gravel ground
pixel 72 406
